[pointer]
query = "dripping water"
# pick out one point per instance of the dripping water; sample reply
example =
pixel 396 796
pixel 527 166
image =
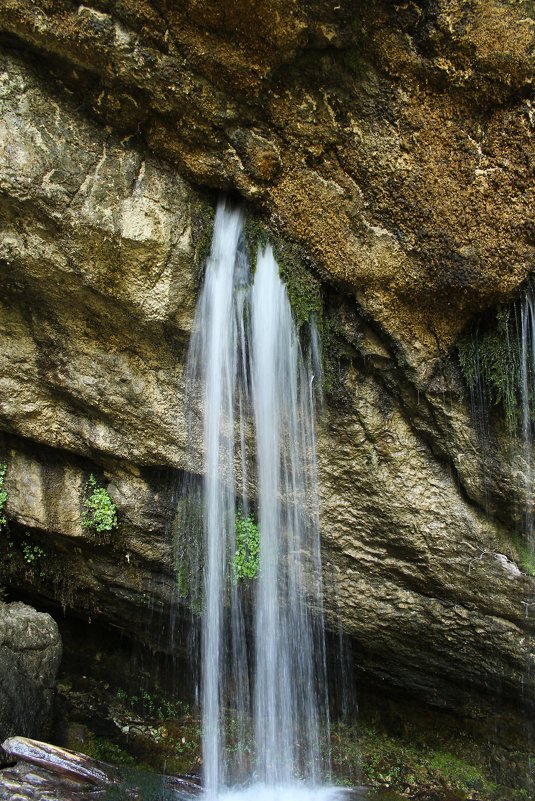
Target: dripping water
pixel 256 392
pixel 527 397
pixel 515 367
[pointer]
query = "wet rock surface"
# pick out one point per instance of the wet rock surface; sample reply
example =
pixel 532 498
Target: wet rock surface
pixel 43 772
pixel 30 654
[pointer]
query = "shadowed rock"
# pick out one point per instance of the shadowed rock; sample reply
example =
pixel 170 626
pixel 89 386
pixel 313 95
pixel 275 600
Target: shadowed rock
pixel 30 653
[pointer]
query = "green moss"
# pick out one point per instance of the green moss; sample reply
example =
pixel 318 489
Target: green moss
pixel 304 289
pixel 255 235
pixel 106 751
pixel 526 555
pixel 489 357
pixel 457 773
pixel 413 768
pixel 202 217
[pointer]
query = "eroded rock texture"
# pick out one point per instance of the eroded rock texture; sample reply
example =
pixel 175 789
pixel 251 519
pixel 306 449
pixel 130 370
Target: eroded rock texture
pixel 30 653
pixel 391 142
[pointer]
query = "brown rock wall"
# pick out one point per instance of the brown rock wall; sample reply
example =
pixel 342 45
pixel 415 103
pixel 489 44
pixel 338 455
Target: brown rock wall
pixel 391 140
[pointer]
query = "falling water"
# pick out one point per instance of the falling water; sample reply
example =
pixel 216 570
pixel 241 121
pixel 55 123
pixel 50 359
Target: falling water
pixel 500 368
pixel 256 389
pixel 527 395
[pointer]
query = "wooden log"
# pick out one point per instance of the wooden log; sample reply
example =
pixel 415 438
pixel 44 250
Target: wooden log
pixel 61 761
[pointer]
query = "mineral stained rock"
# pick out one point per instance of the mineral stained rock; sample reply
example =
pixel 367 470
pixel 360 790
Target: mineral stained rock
pixel 391 139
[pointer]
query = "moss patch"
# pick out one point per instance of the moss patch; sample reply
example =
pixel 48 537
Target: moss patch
pixel 202 218
pixel 107 751
pixel 490 362
pixel 526 555
pixel 304 289
pixel 412 767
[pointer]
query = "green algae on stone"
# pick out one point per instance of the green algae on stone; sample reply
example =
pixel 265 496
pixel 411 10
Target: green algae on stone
pixel 413 766
pixel 304 289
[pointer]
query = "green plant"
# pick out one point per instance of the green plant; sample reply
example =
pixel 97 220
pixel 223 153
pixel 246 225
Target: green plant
pixel 246 558
pixel 31 553
pixel 3 494
pixel 99 513
pixel 408 765
pixel 153 706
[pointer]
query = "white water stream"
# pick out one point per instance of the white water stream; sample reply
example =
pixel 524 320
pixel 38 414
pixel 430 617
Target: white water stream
pixel 265 717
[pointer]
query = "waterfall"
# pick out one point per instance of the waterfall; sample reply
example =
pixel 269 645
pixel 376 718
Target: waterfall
pixel 251 390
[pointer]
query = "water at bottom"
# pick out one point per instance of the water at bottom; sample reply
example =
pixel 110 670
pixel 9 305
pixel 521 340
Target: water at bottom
pixel 153 788
pixel 289 792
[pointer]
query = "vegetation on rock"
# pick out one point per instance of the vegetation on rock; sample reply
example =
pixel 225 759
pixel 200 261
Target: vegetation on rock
pixel 246 558
pixel 304 289
pixel 413 767
pixel 488 356
pixel 99 513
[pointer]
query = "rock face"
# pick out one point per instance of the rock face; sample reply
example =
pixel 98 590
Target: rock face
pixel 30 653
pixel 390 143
pixel 391 140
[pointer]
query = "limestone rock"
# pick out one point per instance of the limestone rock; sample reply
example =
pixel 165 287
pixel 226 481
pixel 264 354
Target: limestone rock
pixel 96 241
pixel 30 653
pixel 395 524
pixel 391 140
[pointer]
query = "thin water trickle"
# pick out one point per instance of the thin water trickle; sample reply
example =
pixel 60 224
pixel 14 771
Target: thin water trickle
pixel 264 705
pixel 527 395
